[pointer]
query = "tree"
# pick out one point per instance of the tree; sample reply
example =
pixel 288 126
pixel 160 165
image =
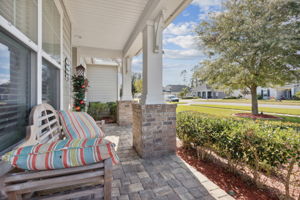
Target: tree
pixel 183 92
pixel 252 43
pixel 183 75
pixel 297 94
pixel 136 83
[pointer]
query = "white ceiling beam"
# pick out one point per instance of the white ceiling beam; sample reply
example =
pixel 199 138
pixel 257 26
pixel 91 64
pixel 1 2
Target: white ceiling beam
pixel 98 52
pixel 177 11
pixel 150 8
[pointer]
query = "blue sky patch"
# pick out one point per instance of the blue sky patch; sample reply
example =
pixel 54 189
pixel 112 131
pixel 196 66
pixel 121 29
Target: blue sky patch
pixel 180 49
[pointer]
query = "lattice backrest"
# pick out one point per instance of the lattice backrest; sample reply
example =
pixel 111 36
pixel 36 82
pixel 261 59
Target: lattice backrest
pixel 44 125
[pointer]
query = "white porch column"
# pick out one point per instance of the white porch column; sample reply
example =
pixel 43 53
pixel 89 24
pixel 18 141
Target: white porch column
pixel 154 122
pixel 126 79
pixel 152 64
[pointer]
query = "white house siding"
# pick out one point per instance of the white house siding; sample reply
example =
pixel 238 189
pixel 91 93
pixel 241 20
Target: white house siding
pixel 204 91
pixel 67 53
pixel 103 83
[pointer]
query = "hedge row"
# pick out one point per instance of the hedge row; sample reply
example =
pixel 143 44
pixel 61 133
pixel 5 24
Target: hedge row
pixel 275 146
pixel 260 145
pixel 98 110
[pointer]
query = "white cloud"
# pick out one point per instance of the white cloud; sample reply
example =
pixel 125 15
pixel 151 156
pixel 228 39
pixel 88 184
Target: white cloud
pixel 184 41
pixel 207 7
pixel 182 54
pixel 180 29
pixel 4 78
pixel 137 61
pixel 206 3
pixel 3 47
pixel 137 64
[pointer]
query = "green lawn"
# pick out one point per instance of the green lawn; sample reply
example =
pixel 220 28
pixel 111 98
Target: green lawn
pixel 225 112
pixel 283 102
pixel 248 108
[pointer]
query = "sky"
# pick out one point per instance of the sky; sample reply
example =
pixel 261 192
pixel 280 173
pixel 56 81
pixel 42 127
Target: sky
pixel 180 49
pixel 4 64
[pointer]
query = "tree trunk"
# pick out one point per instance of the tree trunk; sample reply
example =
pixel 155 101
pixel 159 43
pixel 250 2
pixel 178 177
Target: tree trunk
pixel 254 103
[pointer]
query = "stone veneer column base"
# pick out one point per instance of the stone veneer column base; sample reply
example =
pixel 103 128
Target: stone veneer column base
pixel 154 129
pixel 124 113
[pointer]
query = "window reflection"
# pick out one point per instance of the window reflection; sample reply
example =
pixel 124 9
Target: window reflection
pixel 50 84
pixel 14 90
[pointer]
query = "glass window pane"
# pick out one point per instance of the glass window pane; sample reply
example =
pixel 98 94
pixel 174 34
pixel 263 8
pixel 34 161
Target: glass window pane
pixel 50 84
pixel 15 90
pixel 51 29
pixel 22 14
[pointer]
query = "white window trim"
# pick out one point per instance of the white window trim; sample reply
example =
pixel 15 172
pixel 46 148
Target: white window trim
pixel 18 34
pixel 46 56
pixel 39 52
pixel 62 60
pixel 38 48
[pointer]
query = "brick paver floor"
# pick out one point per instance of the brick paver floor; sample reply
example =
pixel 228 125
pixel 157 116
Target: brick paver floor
pixel 168 177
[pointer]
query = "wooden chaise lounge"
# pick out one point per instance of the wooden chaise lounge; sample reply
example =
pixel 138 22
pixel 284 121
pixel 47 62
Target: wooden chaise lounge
pixel 85 182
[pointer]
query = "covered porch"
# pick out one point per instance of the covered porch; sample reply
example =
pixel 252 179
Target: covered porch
pixel 167 177
pixel 104 42
pixel 107 35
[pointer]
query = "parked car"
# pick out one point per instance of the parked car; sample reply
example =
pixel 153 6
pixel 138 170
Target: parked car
pixel 171 98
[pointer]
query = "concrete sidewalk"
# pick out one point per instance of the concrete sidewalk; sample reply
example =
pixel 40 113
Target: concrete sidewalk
pixel 192 101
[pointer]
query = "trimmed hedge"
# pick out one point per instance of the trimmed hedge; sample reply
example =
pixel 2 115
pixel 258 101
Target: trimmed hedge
pixel 261 145
pixel 99 110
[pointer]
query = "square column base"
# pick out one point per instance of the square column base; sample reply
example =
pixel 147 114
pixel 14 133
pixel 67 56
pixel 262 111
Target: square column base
pixel 124 113
pixel 154 129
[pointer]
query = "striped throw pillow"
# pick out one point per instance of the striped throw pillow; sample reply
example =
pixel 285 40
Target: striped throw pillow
pixel 79 125
pixel 61 154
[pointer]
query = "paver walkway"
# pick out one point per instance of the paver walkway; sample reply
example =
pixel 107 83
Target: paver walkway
pixel 168 177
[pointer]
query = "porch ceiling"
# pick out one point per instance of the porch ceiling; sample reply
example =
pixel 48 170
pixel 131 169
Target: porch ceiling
pixel 116 24
pixel 103 23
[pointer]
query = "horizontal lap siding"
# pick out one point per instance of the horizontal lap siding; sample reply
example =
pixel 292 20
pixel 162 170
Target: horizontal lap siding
pixel 102 83
pixel 67 49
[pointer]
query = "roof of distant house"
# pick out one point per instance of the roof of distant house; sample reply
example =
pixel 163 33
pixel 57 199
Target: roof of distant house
pixel 174 88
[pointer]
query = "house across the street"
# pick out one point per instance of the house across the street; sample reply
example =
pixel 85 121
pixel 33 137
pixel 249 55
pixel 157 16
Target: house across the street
pixel 205 91
pixel 173 89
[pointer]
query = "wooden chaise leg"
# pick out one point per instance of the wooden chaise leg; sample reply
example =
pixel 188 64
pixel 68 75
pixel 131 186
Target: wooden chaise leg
pixel 107 179
pixel 14 196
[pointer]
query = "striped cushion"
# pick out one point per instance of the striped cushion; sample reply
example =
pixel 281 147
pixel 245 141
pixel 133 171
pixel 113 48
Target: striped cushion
pixel 61 154
pixel 79 125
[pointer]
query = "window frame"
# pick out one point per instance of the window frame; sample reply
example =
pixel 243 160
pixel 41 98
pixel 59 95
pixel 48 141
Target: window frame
pixel 33 81
pixel 37 48
pixel 40 55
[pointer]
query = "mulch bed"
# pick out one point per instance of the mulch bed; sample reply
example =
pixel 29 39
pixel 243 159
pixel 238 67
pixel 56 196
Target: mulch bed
pixel 224 179
pixel 108 120
pixel 259 116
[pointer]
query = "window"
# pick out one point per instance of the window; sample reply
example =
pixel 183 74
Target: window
pixel 50 84
pixel 22 14
pixel 17 81
pixel 51 29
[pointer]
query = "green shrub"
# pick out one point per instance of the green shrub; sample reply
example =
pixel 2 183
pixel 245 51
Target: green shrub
pixel 298 94
pixel 100 110
pixel 231 97
pixel 260 97
pixel 189 97
pixel 112 106
pixel 260 145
